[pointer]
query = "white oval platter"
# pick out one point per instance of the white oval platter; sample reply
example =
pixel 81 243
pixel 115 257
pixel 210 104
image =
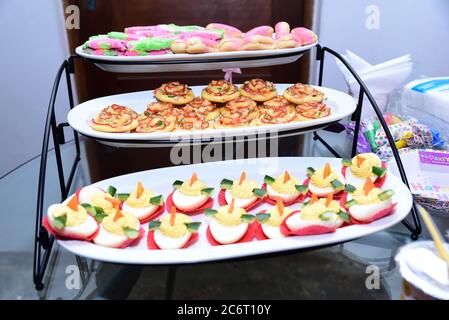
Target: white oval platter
pixel 160 181
pixel 341 104
pixel 196 62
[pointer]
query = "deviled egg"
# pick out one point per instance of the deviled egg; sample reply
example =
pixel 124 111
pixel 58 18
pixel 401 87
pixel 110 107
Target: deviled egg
pixel 118 230
pixel 325 181
pixel 143 203
pixel 368 203
pixel 229 224
pixel 270 221
pixel 286 187
pixel 318 216
pixel 70 221
pixel 174 231
pixel 191 196
pixel 245 193
pixel 363 166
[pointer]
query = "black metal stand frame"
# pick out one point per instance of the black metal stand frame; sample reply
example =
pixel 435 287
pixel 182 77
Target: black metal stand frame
pixel 44 242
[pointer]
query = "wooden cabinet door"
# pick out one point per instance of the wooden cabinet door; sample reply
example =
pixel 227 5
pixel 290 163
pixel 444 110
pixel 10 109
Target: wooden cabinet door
pixel 101 16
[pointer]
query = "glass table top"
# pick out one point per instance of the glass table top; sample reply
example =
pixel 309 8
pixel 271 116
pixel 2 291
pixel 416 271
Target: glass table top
pixel 360 269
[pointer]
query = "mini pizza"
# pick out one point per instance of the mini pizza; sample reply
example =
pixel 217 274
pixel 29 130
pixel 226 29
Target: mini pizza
pixel 269 221
pixel 143 203
pixel 159 109
pixel 96 201
pixel 175 93
pixel 312 110
pixel 191 196
pixel 301 93
pixel 368 203
pixel 318 216
pixel 246 193
pixel 118 230
pixel 220 91
pixel 258 90
pixel 192 121
pixel 230 224
pixel 325 181
pixel 70 221
pixel 202 107
pixel 276 110
pixel 238 113
pixel 155 123
pixel 174 231
pixel 115 118
pixel 285 187
pixel 363 166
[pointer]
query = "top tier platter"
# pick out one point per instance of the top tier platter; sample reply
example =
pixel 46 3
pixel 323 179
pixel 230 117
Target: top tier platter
pixel 195 62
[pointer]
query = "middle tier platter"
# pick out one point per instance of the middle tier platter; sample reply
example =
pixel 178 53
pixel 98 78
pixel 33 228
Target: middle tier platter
pixel 340 104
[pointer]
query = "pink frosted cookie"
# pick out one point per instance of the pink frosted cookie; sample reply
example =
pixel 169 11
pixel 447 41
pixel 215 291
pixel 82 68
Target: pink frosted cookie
pixel 194 45
pixel 104 52
pixel 281 29
pixel 136 53
pixel 103 42
pixel 266 31
pixel 258 42
pixel 304 36
pixel 229 31
pixel 139 29
pixel 204 35
pixel 230 44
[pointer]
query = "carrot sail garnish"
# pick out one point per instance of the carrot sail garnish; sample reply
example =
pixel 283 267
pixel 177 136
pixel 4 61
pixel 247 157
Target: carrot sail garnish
pixel 193 179
pixel 368 186
pixel 172 216
pixel 242 177
pixel 73 203
pixel 327 170
pixel 286 176
pixel 139 190
pixel 231 206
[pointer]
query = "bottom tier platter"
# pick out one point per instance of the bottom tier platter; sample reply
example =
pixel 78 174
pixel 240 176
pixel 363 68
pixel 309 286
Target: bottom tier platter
pixel 160 180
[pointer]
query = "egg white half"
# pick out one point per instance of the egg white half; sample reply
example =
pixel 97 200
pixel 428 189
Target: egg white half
pixel 285 197
pixel 86 229
pixel 86 193
pixel 239 203
pixel 140 213
pixel 272 232
pixel 169 243
pixel 356 181
pixel 183 202
pixel 227 234
pixel 364 212
pixel 108 239
pixel 295 222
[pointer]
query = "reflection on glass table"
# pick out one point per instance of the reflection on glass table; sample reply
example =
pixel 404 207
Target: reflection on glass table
pixel 361 269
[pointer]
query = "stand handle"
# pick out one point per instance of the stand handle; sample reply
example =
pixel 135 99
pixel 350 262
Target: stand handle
pixel 43 242
pixel 416 229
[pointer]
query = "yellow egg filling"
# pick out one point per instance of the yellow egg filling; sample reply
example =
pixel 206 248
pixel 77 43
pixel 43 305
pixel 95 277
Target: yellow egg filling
pixel 372 197
pixel 116 227
pixel 74 218
pixel 192 190
pixel 141 202
pixel 98 200
pixel 226 218
pixel 178 229
pixel 365 169
pixel 276 219
pixel 313 211
pixel 243 190
pixel 318 180
pixel 288 187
